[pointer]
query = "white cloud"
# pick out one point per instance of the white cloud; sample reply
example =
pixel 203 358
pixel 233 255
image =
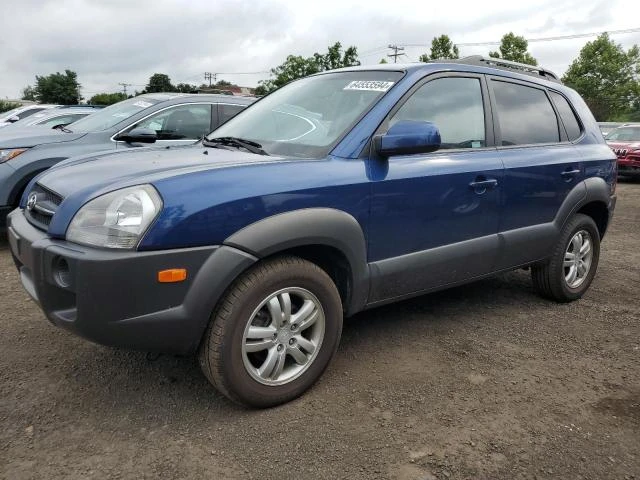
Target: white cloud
pixel 107 42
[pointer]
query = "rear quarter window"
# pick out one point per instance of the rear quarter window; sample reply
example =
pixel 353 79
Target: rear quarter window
pixel 567 115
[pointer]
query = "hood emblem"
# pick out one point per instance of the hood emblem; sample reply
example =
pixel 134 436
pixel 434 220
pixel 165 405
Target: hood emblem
pixel 31 201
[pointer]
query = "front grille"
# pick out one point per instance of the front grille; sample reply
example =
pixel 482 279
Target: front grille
pixel 41 208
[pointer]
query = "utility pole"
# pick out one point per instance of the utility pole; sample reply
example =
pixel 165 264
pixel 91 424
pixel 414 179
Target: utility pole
pixel 124 87
pixel 209 76
pixel 395 53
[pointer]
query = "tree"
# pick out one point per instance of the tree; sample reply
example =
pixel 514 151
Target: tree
pixel 6 106
pixel 159 82
pixel 296 66
pixel 441 48
pixel 383 60
pixel 62 88
pixel 185 88
pixel 29 93
pixel 107 98
pixel 514 48
pixel 608 78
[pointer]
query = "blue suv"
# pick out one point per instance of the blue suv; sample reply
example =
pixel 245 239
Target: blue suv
pixel 337 193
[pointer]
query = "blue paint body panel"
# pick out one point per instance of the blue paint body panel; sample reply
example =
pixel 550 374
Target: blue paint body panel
pixel 405 204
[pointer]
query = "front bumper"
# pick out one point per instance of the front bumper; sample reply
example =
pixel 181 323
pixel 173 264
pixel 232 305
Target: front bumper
pixel 114 298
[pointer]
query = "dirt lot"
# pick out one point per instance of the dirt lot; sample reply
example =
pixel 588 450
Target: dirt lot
pixel 484 381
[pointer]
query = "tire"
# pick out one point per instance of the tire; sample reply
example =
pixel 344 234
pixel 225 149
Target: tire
pixel 553 279
pixel 252 325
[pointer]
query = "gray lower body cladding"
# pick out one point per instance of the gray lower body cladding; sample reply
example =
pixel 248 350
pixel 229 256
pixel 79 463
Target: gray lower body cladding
pixel 114 297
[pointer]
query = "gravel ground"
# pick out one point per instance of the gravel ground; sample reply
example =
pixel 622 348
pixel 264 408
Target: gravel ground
pixel 483 381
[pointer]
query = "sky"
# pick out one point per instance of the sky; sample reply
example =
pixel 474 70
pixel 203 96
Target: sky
pixel 112 41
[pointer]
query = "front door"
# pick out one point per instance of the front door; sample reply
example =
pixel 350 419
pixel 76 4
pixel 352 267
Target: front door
pixel 435 216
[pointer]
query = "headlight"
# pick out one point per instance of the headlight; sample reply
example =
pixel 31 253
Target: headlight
pixel 10 153
pixel 117 219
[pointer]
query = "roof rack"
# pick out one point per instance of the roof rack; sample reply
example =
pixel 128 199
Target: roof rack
pixel 509 65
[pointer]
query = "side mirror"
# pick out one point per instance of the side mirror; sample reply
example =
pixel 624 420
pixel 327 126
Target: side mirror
pixel 138 135
pixel 13 119
pixel 406 137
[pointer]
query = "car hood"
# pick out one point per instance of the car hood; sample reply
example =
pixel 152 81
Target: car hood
pixel 32 136
pixel 107 171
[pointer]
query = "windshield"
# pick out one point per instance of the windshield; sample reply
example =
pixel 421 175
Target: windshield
pixel 112 115
pixel 625 134
pixel 305 118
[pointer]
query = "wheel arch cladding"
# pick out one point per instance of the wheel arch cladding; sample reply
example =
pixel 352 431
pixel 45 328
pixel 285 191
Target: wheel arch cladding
pixel 305 232
pixel 590 197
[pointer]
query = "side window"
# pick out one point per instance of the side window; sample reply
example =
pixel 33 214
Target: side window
pixel 454 105
pixel 227 112
pixel 525 114
pixel 568 116
pixel 184 122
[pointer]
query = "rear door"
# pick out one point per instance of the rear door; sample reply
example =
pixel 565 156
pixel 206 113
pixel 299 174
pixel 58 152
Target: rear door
pixel 541 168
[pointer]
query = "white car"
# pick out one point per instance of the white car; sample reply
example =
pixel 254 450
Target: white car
pixel 12 116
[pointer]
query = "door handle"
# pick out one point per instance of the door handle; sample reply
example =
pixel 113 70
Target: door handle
pixel 481 185
pixel 570 173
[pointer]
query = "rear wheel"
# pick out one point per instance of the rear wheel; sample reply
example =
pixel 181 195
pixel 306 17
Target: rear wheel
pixel 567 275
pixel 274 332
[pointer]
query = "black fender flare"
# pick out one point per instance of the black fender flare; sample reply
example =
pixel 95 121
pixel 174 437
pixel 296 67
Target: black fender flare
pixel 311 226
pixel 593 189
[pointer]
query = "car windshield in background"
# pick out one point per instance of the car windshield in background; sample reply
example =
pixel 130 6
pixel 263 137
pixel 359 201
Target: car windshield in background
pixel 112 115
pixel 307 117
pixel 625 134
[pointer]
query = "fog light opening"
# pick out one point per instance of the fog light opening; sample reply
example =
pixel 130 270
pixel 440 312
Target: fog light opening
pixel 61 272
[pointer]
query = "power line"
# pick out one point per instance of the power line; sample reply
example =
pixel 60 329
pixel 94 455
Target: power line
pixel 395 53
pixel 124 87
pixel 534 40
pixel 209 75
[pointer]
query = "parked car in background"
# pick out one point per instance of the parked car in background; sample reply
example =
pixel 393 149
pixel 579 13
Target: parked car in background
pixel 51 118
pixel 159 118
pixel 338 192
pixel 606 127
pixel 625 142
pixel 12 116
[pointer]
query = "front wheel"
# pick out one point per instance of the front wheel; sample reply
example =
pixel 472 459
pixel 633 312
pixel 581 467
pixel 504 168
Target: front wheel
pixel 273 334
pixel 570 270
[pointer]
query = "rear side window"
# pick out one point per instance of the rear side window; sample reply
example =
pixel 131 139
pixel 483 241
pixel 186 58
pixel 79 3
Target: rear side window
pixel 227 112
pixel 525 114
pixel 571 124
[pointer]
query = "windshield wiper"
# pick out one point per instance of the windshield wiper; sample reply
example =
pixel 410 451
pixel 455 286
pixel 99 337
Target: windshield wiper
pixel 250 145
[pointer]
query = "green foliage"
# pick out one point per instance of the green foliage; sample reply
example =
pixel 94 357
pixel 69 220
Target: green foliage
pixel 296 66
pixel 608 78
pixel 441 48
pixel 62 88
pixel 159 82
pixel 185 88
pixel 514 48
pixel 107 98
pixel 6 106
pixel 383 60
pixel 29 93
